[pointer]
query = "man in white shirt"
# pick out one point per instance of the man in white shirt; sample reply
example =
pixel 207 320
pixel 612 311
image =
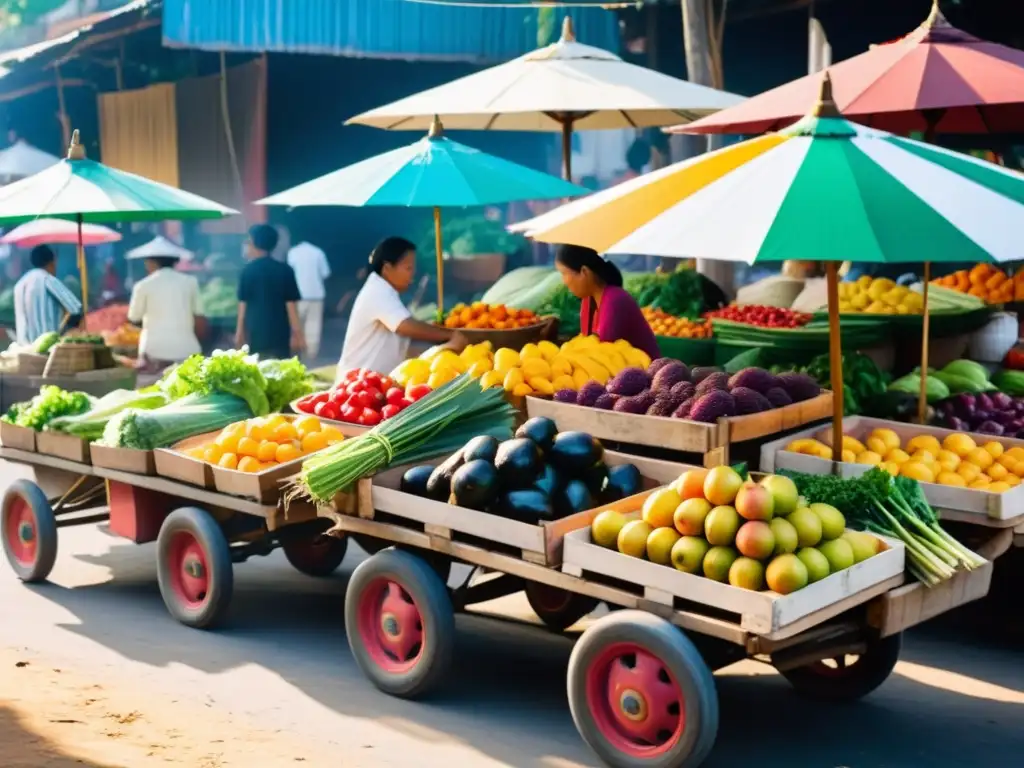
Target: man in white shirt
pixel 165 304
pixel 311 270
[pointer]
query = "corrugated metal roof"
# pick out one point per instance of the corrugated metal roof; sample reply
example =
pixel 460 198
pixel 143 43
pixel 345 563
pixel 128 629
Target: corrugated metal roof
pixel 391 29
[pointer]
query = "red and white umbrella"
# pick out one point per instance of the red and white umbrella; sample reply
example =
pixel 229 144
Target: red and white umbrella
pixel 58 232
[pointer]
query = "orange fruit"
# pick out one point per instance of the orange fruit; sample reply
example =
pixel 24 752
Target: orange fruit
pixel 228 461
pixel 248 464
pixel 267 451
pixel 199 452
pixel 274 420
pixel 332 434
pixel 228 442
pixel 287 452
pixel 248 446
pixel 314 441
pixel 285 432
pixel 213 453
pixel 306 424
pixel 257 430
pixel 238 429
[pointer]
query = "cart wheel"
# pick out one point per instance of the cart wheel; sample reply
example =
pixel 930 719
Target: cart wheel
pixel 194 568
pixel 558 608
pixel 848 678
pixel 29 531
pixel 400 623
pixel 641 695
pixel 318 555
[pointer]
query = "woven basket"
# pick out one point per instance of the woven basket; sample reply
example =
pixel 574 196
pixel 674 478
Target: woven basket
pixel 69 359
pixel 31 364
pixel 103 357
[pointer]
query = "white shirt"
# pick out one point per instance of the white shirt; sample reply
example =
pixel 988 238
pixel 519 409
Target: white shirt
pixel 165 304
pixel 370 340
pixel 311 270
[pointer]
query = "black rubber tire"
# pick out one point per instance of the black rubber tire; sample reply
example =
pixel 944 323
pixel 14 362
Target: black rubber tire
pixel 680 657
pixel 45 530
pixel 868 672
pixel 318 556
pixel 559 609
pixel 214 606
pixel 425 587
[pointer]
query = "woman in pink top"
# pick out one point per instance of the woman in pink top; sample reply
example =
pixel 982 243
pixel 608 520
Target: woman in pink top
pixel 607 310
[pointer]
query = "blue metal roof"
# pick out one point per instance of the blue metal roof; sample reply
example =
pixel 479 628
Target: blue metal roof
pixel 392 29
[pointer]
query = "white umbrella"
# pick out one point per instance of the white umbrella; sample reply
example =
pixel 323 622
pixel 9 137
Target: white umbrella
pixel 561 87
pixel 159 247
pixel 22 159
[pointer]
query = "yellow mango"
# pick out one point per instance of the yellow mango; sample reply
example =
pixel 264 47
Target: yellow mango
pixel 560 366
pixel 536 367
pixel 541 386
pixel 563 382
pixel 513 378
pixel 480 367
pixel 522 390
pixel 505 360
pixel 491 379
pixel 580 377
pixel 547 349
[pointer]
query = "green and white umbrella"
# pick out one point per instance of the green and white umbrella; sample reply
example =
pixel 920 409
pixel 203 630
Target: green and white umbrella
pixel 88 192
pixel 824 189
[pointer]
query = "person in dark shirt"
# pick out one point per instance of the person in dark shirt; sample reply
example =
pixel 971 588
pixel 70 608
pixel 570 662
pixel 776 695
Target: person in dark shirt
pixel 268 295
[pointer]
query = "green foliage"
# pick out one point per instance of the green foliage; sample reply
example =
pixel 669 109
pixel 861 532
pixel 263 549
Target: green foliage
pixel 15 13
pixel 50 403
pixel 234 372
pixel 287 380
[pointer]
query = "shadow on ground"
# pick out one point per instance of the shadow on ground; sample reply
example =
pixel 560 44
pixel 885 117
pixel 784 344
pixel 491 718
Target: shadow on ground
pixel 955 697
pixel 20 747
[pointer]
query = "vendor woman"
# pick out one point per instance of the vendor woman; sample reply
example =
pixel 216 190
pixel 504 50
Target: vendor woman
pixel 165 304
pixel 380 326
pixel 607 310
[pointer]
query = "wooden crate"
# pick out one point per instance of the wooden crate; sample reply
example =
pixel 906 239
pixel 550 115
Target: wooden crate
pixel 18 438
pixel 710 440
pixel 63 446
pixel 762 613
pixel 175 464
pixel 129 460
pixel 971 501
pixel 540 544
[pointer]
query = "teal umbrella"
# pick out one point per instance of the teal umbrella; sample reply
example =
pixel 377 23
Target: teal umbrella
pixel 88 192
pixel 435 172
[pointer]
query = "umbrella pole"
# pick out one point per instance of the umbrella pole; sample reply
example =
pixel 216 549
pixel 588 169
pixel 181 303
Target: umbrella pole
pixel 567 149
pixel 835 359
pixel 439 247
pixel 83 274
pixel 922 402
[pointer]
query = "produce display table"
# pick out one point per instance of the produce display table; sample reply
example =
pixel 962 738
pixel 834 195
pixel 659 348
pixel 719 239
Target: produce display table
pixel 15 388
pixel 199 533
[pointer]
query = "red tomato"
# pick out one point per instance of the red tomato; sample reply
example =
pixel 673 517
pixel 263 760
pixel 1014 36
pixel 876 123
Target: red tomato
pixel 395 395
pixel 350 413
pixel 352 375
pixel 376 396
pixel 339 397
pixel 386 383
pixel 418 391
pixel 369 417
pixel 404 403
pixel 327 411
pixel 390 410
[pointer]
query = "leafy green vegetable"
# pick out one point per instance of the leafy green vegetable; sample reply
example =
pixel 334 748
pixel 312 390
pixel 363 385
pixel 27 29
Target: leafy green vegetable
pixel 233 372
pixel 286 380
pixel 191 415
pixel 90 425
pixel 863 380
pixel 749 359
pixel 50 403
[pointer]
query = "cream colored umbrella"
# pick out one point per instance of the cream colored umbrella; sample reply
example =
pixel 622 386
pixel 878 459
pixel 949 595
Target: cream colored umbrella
pixel 562 87
pixel 160 247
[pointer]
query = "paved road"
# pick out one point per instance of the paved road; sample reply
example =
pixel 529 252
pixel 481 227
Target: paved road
pixel 283 663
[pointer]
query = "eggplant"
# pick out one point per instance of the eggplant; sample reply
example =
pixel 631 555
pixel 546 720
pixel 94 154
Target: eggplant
pixel 990 428
pixel 475 484
pixel 439 485
pixel 549 480
pixel 623 480
pixel 415 480
pixel 518 462
pixel 595 477
pixel 484 448
pixel 575 497
pixel 526 506
pixel 541 430
pixel 575 452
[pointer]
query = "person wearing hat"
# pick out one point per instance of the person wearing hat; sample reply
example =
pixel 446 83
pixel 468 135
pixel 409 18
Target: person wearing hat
pixel 165 304
pixel 268 298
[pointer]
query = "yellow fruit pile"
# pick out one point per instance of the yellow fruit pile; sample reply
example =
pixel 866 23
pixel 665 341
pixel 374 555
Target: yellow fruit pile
pixel 955 461
pixel 879 296
pixel 264 443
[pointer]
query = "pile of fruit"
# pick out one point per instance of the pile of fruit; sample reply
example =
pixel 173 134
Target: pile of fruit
pixel 664 324
pixel 763 317
pixel 712 523
pixel 670 388
pixel 539 475
pixel 536 369
pixel 988 283
pixel 266 442
pixel 879 296
pixel 957 460
pixel 106 319
pixel 125 336
pixel 481 316
pixel 362 397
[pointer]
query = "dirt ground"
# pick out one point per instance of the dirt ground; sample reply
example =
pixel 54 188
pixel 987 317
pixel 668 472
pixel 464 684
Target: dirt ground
pixel 52 718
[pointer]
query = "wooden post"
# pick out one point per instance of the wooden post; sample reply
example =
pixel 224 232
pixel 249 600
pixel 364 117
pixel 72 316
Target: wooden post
pixel 922 402
pixel 83 272
pixel 439 246
pixel 835 357
pixel 566 148
pixel 62 114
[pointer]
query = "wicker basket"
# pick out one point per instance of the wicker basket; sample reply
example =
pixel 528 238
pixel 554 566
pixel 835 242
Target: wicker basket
pixel 31 364
pixel 69 359
pixel 103 357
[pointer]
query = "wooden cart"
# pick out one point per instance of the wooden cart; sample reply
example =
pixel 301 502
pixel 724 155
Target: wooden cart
pixel 640 679
pixel 200 533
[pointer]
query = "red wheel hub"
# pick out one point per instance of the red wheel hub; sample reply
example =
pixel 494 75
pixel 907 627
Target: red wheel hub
pixel 391 626
pixel 189 569
pixel 635 701
pixel 20 532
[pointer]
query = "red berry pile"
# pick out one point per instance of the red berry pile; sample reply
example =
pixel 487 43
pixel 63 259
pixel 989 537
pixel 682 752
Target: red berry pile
pixel 362 397
pixel 765 317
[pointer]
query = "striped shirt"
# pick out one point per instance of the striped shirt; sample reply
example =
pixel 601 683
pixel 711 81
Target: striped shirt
pixel 40 303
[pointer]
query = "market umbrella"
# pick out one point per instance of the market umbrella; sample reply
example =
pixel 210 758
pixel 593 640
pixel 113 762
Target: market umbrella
pixel 937 79
pixel 824 189
pixel 58 231
pixel 85 192
pixel 562 87
pixel 435 172
pixel 158 247
pixel 22 159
